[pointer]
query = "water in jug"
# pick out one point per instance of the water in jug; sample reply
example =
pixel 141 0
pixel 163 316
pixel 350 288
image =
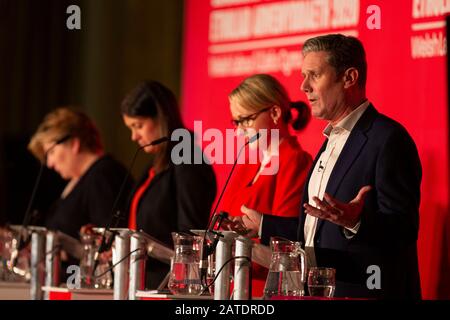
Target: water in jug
pixel 185 272
pixel 287 271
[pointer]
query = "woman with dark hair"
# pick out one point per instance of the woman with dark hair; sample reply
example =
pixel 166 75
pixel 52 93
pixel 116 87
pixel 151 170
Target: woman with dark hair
pixel 169 197
pixel 274 185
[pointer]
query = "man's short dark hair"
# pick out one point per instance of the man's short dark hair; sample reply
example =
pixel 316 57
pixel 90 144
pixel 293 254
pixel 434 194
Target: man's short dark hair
pixel 344 52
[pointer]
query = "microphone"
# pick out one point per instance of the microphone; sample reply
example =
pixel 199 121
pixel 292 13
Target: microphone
pixel 23 239
pixel 321 167
pixel 251 140
pixel 116 216
pixel 208 250
pixel 156 142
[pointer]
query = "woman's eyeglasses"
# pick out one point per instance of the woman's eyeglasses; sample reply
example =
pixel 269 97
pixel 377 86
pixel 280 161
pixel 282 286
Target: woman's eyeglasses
pixel 247 121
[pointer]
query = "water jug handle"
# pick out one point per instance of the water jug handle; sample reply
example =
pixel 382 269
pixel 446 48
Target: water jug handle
pixel 303 263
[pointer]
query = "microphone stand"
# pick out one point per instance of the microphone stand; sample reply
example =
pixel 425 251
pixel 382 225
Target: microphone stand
pixel 116 217
pixel 23 237
pixel 207 250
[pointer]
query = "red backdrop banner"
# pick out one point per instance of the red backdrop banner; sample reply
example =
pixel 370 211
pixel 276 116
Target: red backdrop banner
pixel 228 40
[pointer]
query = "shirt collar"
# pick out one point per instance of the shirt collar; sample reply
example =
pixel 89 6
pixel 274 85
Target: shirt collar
pixel 349 121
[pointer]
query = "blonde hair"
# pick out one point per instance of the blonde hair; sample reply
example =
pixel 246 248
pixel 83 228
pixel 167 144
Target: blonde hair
pixel 64 122
pixel 261 91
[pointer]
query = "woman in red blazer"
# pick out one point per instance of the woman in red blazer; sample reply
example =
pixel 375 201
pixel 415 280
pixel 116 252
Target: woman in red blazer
pixel 273 185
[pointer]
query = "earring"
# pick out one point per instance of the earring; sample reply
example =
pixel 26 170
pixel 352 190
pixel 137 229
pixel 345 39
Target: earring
pixel 275 121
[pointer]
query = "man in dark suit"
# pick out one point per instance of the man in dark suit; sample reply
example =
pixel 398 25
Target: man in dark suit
pixel 361 199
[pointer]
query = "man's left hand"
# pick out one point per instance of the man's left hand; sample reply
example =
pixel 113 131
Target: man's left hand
pixel 251 220
pixel 333 210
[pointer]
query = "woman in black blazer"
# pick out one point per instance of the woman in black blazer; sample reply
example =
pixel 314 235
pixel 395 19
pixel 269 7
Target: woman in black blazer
pixel 68 142
pixel 169 197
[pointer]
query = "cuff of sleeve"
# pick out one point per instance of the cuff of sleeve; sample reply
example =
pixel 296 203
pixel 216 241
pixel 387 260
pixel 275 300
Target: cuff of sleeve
pixel 260 227
pixel 351 232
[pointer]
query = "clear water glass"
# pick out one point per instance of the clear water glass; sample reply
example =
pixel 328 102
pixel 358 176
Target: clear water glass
pixel 321 282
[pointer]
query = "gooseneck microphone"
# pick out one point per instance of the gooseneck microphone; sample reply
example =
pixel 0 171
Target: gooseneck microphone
pixel 23 238
pixel 207 250
pixel 251 140
pixel 116 216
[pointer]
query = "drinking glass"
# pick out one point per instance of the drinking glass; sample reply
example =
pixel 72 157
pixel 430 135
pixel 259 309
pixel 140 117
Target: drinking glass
pixel 321 282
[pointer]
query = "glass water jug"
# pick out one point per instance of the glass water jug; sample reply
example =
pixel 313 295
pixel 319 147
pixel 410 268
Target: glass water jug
pixel 101 278
pixel 185 272
pixel 287 271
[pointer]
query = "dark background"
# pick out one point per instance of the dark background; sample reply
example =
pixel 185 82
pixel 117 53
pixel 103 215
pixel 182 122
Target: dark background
pixel 44 65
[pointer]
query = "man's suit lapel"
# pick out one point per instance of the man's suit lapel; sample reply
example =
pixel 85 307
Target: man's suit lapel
pixel 350 152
